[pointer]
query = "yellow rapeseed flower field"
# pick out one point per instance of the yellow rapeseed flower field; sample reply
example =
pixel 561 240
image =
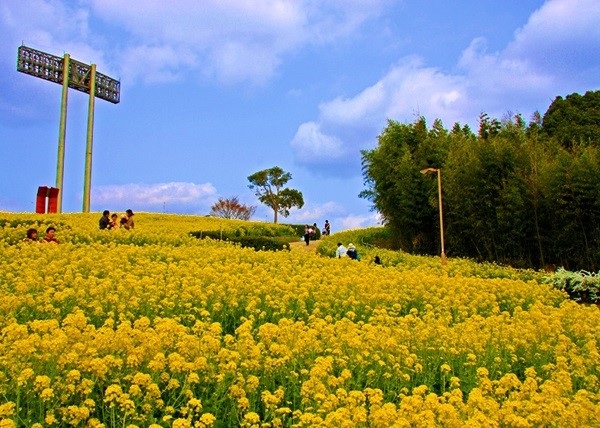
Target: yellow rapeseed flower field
pixel 154 328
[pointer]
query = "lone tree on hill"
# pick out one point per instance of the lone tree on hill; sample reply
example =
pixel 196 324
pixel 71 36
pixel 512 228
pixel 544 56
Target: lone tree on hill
pixel 268 186
pixel 232 208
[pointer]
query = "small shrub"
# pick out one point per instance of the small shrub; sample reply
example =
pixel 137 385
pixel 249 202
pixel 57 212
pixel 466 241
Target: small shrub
pixel 263 243
pixel 582 286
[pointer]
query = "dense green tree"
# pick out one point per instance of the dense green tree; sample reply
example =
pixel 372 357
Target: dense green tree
pixel 537 155
pixel 511 194
pixel 488 127
pixel 396 187
pixel 268 185
pixel 535 126
pixel 480 177
pixel 574 119
pixel 574 189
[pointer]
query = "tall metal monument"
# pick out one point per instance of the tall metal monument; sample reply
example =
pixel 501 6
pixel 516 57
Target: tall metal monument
pixel 70 74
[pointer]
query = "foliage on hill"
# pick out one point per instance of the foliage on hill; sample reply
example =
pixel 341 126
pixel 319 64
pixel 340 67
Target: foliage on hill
pixel 154 328
pixel 574 120
pixel 511 194
pixel 367 242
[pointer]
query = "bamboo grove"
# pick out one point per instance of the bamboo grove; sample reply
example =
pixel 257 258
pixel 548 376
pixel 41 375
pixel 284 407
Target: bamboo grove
pixel 516 193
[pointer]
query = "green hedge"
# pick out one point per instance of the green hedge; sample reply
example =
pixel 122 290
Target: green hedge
pixel 259 236
pixel 265 243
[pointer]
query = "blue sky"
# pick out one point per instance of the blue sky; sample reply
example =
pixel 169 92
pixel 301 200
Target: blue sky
pixel 215 90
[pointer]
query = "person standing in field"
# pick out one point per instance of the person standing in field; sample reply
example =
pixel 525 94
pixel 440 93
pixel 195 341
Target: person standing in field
pixel 327 228
pixel 307 232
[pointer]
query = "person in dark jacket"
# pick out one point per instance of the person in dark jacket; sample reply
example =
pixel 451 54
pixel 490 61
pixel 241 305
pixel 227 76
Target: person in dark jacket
pixel 105 220
pixel 352 253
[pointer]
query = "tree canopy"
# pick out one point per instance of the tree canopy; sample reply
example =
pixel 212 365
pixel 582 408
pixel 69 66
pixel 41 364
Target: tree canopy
pixel 514 193
pixel 573 120
pixel 268 185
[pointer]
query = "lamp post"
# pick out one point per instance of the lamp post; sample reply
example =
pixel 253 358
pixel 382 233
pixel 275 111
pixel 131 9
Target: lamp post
pixel 439 177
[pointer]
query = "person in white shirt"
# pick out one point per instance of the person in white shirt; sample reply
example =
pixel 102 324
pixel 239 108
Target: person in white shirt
pixel 341 251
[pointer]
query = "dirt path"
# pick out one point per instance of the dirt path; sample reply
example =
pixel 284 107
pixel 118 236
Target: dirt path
pixel 301 246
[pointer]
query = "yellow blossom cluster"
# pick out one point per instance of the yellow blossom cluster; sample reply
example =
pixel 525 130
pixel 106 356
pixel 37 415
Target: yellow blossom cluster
pixel 154 329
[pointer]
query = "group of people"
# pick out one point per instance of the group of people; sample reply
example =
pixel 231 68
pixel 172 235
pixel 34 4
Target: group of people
pixel 311 231
pixel 48 239
pixel 108 221
pixel 350 251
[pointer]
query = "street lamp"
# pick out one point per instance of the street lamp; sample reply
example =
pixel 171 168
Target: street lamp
pixel 439 177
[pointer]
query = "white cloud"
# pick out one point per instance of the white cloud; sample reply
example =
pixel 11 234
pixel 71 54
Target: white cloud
pixel 356 222
pixel 176 196
pixel 348 111
pixel 337 215
pixel 313 146
pixel 155 64
pixel 232 40
pixel 561 40
pixel 563 36
pixel 346 126
pixel 312 213
pixel 51 26
pixel 157 41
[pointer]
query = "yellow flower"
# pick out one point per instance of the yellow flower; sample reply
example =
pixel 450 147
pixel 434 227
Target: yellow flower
pixel 25 376
pixel 47 394
pixel 251 418
pixel 193 378
pixel 208 419
pixel 7 409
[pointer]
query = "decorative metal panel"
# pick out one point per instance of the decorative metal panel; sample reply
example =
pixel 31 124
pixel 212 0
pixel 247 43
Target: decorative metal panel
pixel 50 67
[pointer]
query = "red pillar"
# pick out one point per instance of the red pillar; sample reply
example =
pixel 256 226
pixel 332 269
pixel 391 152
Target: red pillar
pixel 46 197
pixel 40 203
pixel 52 199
